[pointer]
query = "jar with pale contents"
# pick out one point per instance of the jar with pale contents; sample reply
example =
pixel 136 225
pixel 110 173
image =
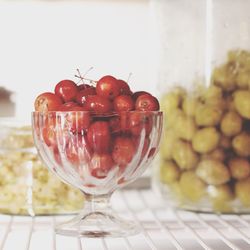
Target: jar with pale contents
pixel 27 187
pixel 204 161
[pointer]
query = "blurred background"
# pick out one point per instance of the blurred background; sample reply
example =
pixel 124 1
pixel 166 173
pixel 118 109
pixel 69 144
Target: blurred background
pixel 43 42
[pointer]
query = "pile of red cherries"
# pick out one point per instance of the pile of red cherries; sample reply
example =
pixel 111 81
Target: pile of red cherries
pixel 108 133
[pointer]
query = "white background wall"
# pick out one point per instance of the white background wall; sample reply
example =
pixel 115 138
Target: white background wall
pixel 43 42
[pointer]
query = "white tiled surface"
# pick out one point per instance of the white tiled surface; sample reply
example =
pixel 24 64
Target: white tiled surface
pixel 162 228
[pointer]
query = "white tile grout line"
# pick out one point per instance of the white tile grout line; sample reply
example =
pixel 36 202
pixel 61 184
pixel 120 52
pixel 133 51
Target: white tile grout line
pixel 239 218
pixel 191 230
pixel 7 231
pixel 226 224
pixel 79 243
pixel 214 229
pixel 173 240
pixel 145 233
pixel 104 244
pixel 30 233
pixel 127 243
pixel 53 233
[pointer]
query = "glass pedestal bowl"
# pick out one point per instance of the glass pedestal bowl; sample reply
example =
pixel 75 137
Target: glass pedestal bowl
pixel 97 154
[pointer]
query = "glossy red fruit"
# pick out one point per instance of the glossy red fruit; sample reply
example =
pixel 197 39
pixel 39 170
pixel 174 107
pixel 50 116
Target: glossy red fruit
pixel 78 151
pixel 124 87
pixel 66 89
pixel 78 121
pixel 67 106
pixel 147 103
pixel 123 103
pixel 49 135
pixel 136 94
pixel 107 87
pixel 83 86
pixel 142 144
pixel 152 152
pixel 98 104
pixel 99 136
pixel 57 156
pixel 123 151
pixel 139 122
pixel 51 130
pixel 100 165
pixel 47 102
pixel 81 95
pixel 119 123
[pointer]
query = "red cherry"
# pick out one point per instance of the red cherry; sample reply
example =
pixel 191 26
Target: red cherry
pixel 98 104
pixel 49 135
pixel 100 165
pixel 136 94
pixel 57 156
pixel 99 136
pixel 119 123
pixel 83 86
pixel 107 87
pixel 145 147
pixel 124 87
pixel 77 150
pixel 123 103
pixel 67 106
pixel 47 102
pixel 66 89
pixel 114 124
pixel 152 152
pixel 51 131
pixel 147 103
pixel 139 121
pixel 81 95
pixel 123 151
pixel 78 121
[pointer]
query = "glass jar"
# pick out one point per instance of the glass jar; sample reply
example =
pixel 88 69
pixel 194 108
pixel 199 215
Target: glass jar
pixel 27 187
pixel 204 78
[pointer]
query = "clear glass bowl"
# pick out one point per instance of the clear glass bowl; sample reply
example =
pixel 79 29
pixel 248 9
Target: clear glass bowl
pixel 97 154
pixel 27 187
pixel 204 162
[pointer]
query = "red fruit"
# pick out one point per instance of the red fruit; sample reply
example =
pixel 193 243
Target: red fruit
pixel 51 130
pixel 136 94
pixel 152 152
pixel 66 89
pixel 98 104
pixel 147 103
pixel 47 102
pixel 107 87
pixel 115 125
pixel 57 156
pixel 49 136
pixel 99 136
pixel 67 106
pixel 81 95
pixel 83 86
pixel 139 121
pixel 123 151
pixel 100 165
pixel 124 87
pixel 77 150
pixel 119 123
pixel 145 147
pixel 78 121
pixel 123 103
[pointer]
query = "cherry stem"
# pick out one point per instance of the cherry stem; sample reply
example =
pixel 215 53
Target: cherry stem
pixel 87 71
pixel 129 77
pixel 82 77
pixel 79 75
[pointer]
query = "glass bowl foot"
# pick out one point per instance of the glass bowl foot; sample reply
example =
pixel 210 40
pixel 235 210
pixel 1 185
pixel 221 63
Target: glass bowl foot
pixel 98 224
